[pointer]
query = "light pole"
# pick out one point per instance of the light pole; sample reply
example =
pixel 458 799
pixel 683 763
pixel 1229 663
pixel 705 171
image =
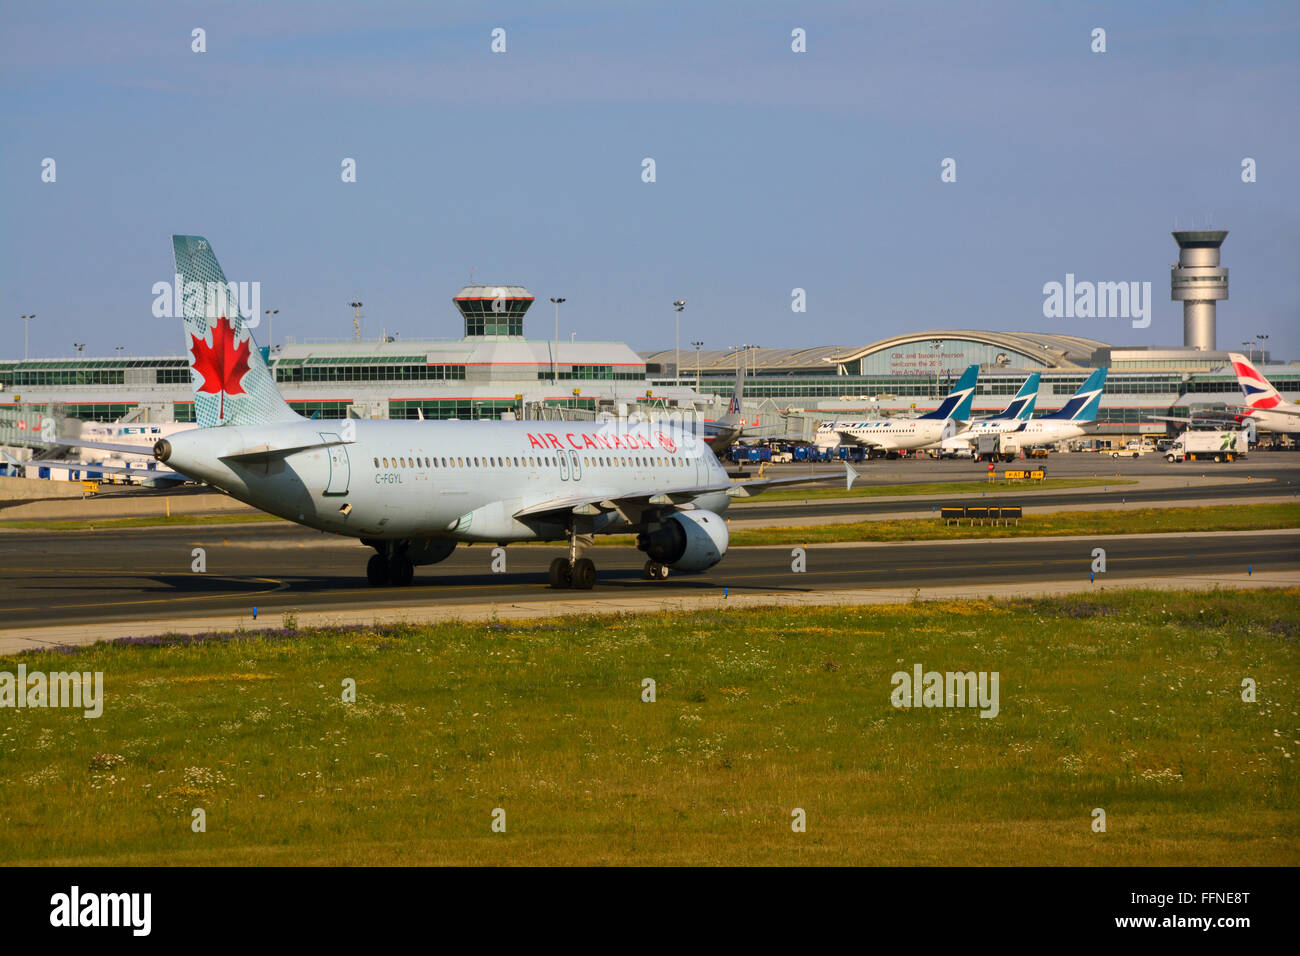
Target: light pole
pixel 270 337
pixel 1262 339
pixel 78 346
pixel 678 305
pixel 698 346
pixel 555 373
pixel 937 344
pixel 356 320
pixel 119 349
pixel 27 324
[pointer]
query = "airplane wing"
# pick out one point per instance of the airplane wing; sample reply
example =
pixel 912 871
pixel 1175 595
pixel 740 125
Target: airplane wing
pixel 670 498
pixel 138 451
pixel 1271 411
pixel 162 475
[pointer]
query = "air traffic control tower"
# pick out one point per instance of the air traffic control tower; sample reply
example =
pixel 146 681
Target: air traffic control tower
pixel 1198 282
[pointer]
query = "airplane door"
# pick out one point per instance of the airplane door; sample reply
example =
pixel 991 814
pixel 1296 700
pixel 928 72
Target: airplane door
pixel 701 469
pixel 340 467
pixel 564 466
pixel 575 463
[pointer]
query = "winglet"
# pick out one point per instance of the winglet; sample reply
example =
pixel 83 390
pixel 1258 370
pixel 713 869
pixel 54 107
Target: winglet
pixel 850 475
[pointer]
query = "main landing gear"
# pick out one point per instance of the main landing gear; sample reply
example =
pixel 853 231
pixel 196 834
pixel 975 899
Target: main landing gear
pixel 573 571
pixel 394 568
pixel 654 571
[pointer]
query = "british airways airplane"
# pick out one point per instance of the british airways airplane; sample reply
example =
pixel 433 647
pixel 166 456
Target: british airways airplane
pixel 413 490
pixel 1263 403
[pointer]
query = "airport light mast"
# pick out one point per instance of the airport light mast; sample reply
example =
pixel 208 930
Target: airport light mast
pixel 27 324
pixel 698 346
pixel 678 305
pixel 555 374
pixel 270 338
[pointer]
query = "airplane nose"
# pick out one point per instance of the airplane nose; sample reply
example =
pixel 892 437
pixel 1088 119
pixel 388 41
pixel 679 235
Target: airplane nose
pixel 162 450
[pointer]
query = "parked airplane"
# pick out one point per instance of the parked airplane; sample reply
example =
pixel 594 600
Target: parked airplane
pixel 1071 421
pixel 901 434
pixel 1264 405
pixel 1009 419
pixel 413 490
pixel 725 431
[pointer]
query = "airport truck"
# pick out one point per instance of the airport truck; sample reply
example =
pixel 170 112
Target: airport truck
pixel 992 447
pixel 1208 445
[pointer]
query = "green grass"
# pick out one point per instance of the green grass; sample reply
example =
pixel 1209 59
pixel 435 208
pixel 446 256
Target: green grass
pixel 155 521
pixel 1050 524
pixel 936 488
pixel 1127 701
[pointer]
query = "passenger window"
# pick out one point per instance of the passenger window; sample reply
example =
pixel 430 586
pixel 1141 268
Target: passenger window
pixel 376 462
pixel 385 462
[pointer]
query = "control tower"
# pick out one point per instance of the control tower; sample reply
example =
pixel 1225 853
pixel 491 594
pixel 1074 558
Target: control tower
pixel 496 309
pixel 1198 282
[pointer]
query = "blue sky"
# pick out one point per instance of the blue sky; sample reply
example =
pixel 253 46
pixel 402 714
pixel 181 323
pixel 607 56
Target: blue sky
pixel 775 170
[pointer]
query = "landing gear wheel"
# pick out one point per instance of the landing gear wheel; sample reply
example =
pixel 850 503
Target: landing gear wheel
pixel 584 574
pixel 654 571
pixel 401 570
pixel 377 570
pixel 1218 458
pixel 561 574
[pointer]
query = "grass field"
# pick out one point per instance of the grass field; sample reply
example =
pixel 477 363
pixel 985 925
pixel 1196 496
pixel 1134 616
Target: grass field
pixel 1128 701
pixel 1050 524
pixel 973 486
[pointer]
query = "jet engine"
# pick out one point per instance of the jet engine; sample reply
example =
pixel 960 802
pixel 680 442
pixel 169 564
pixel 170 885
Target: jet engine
pixel 686 540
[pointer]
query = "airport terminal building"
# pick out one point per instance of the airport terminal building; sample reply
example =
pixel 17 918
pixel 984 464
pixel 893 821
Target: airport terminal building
pixel 493 369
pixel 910 373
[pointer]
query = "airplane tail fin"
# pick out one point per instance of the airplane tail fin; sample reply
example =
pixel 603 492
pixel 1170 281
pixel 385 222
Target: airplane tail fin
pixel 734 415
pixel 1255 388
pixel 958 402
pixel 1085 403
pixel 232 385
pixel 1022 406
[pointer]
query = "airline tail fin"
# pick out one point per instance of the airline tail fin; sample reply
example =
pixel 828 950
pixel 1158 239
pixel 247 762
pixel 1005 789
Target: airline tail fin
pixel 958 402
pixel 1255 388
pixel 232 384
pixel 1083 404
pixel 1022 406
pixel 734 415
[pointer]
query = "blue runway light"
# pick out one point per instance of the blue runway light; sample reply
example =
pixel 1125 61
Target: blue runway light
pixel 1250 569
pixel 1092 577
pixel 724 592
pixel 254 614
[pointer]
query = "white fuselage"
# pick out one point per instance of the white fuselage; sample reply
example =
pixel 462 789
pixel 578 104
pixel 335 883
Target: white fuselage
pixel 890 434
pixel 450 480
pixel 1285 417
pixel 1044 432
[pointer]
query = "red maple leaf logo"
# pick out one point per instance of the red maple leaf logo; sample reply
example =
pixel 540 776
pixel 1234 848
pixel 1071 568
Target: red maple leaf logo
pixel 222 364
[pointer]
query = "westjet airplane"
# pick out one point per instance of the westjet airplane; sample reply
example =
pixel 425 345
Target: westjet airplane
pixel 1009 419
pixel 902 434
pixel 1072 420
pixel 1263 403
pixel 413 490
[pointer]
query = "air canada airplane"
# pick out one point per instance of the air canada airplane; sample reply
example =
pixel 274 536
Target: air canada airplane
pixel 902 434
pixel 413 490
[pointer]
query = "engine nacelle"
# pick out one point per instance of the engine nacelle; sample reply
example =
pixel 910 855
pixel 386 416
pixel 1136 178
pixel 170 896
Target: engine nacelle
pixel 430 551
pixel 686 540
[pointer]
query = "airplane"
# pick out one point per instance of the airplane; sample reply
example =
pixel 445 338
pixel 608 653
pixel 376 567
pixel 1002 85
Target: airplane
pixel 414 490
pixel 1070 421
pixel 1264 405
pixel 1009 419
pixel 901 434
pixel 724 431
